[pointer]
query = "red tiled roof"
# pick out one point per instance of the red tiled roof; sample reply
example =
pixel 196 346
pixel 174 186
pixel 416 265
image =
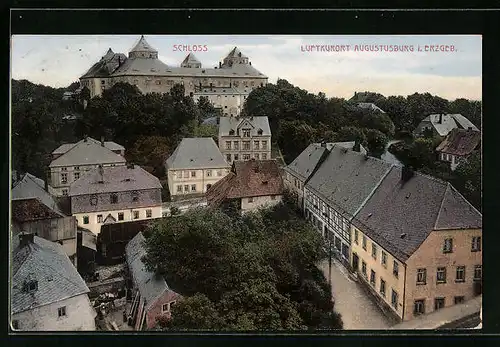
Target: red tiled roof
pixel 30 210
pixel 247 179
pixel 460 142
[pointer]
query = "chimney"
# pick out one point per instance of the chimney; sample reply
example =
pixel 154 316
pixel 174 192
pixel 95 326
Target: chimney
pixel 26 238
pixel 406 174
pixel 357 146
pixel 469 128
pixel 323 144
pixel 101 173
pixel 85 138
pixel 102 141
pixel 250 62
pixel 130 166
pixel 46 183
pixel 220 64
pixel 440 118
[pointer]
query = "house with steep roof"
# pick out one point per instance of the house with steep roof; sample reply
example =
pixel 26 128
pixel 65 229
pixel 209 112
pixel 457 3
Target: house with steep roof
pixel 229 101
pixel 458 145
pixel 369 106
pixel 194 166
pixel 416 244
pixel 152 297
pixel 245 138
pixel 34 210
pixel 337 189
pixel 250 185
pixel 73 160
pixel 145 70
pixel 442 124
pixel 46 291
pixel 297 174
pixel 115 194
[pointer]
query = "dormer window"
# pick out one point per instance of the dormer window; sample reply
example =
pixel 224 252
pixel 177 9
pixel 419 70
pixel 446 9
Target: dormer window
pixel 246 132
pixel 260 132
pixel 231 132
pixel 135 196
pixel 31 286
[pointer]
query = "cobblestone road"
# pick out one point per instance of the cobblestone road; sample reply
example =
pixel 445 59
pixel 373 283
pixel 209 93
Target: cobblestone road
pixel 357 309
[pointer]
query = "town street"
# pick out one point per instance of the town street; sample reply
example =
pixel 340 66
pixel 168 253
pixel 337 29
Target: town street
pixel 357 309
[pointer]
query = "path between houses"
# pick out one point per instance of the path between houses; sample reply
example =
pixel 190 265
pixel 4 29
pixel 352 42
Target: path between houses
pixel 357 309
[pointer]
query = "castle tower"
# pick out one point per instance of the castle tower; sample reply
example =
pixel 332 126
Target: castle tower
pixel 234 57
pixel 191 62
pixel 143 50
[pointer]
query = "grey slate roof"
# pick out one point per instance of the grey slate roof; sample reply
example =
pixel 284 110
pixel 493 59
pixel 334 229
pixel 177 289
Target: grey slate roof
pixel 211 121
pixel 221 91
pixel 31 187
pixel 47 263
pixel 414 208
pixel 150 285
pixel 449 122
pixel 190 59
pixel 113 146
pixel 106 66
pixel 143 46
pixel 87 153
pixel 196 153
pixel 346 144
pixel 346 178
pixel 235 52
pixel 115 179
pixel 305 163
pixel 370 106
pixel 256 123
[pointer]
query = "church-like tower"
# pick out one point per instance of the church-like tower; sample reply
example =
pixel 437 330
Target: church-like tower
pixel 143 50
pixel 235 57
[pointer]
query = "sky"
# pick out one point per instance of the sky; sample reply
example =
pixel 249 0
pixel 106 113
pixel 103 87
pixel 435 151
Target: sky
pixel 337 71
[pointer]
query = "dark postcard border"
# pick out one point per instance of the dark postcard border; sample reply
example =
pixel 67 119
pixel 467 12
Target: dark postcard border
pixel 298 22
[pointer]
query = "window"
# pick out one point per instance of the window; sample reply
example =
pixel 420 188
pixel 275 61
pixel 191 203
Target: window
pixel 31 286
pixel 114 198
pixel 93 200
pixel 395 269
pixel 421 276
pixel 256 145
pixel 246 145
pixel 179 189
pixel 264 144
pixel 209 173
pixel 61 311
pixel 99 218
pixel 85 219
pixel 135 196
pixel 246 156
pixel 478 272
pixel 120 216
pixel 186 174
pixel 193 173
pixel 459 300
pixel 382 287
pixel 219 172
pixel 236 157
pixel 64 178
pixel 394 299
pixel 264 156
pixel 438 303
pixel 149 213
pixel 76 175
pixel 15 324
pixel 356 236
pixel 250 200
pixel 228 157
pixel 364 242
pixel 103 82
pixel 236 145
pixel 208 186
pixel 65 192
pixel 476 244
pixel 273 197
pixel 441 275
pixel 246 132
pixel 77 168
pixel 384 259
pixel 186 188
pixel 374 251
pixel 460 274
pixel 363 268
pixel 158 82
pixel 448 246
pixel 419 307
pixel 256 156
pixel 193 187
pixel 228 144
pixel 136 214
pixel 372 278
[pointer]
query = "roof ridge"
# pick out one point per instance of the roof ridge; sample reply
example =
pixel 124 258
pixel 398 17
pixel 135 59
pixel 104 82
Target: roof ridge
pixel 441 207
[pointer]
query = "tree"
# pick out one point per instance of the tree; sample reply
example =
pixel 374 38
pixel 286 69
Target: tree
pixel 376 142
pixel 379 121
pixel 351 134
pixel 150 151
pixel 467 179
pixel 302 135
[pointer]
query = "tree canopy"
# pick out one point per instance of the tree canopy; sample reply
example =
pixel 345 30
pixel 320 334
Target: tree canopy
pixel 256 272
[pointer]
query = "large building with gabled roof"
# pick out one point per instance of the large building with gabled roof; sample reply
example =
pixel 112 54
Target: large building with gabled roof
pixel 145 70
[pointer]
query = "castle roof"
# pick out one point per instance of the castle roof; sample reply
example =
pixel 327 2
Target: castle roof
pixel 235 52
pixel 190 59
pixel 143 46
